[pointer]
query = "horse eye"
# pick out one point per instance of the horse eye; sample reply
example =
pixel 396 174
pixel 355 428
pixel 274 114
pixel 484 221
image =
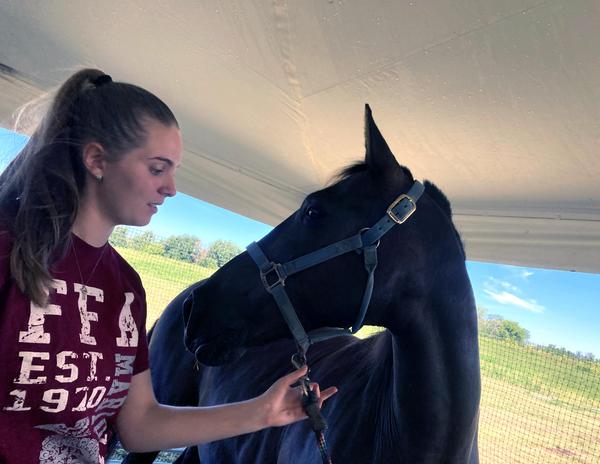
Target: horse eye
pixel 312 212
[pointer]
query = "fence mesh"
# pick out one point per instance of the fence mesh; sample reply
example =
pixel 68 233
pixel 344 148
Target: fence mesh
pixel 539 404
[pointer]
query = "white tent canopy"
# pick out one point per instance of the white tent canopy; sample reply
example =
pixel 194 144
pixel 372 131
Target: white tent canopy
pixel 496 101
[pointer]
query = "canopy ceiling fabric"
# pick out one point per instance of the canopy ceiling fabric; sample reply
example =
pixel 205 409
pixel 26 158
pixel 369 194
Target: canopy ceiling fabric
pixel 497 102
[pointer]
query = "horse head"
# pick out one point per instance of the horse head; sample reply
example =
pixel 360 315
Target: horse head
pixel 232 310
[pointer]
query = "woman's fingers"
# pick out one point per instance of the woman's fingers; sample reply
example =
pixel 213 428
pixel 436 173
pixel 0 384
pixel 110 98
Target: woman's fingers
pixel 294 376
pixel 323 395
pixel 328 393
pixel 316 388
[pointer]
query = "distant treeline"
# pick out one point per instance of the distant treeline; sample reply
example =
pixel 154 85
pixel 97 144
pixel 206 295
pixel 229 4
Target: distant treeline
pixel 187 248
pixel 499 328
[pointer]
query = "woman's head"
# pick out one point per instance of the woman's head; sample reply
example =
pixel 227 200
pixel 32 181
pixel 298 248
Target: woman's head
pixel 42 188
pixel 129 190
pixel 91 107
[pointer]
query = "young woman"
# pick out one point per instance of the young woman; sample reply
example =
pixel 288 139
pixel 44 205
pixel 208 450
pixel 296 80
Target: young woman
pixel 74 358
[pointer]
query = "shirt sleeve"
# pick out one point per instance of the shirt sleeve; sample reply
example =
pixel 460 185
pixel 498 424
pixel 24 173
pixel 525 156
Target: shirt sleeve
pixel 141 362
pixel 141 357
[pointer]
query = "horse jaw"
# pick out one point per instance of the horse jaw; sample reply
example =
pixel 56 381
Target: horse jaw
pixel 216 347
pixel 212 354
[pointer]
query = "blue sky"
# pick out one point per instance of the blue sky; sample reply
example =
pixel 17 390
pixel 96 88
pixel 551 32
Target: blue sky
pixel 556 307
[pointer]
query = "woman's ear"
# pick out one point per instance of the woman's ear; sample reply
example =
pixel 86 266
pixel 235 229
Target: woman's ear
pixel 94 159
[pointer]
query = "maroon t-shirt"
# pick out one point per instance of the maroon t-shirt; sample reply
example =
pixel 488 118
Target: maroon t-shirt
pixel 65 369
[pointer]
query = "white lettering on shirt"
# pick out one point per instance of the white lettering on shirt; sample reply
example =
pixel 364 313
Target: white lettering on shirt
pixel 94 356
pixel 27 367
pixel 85 315
pixel 35 327
pixel 56 396
pixel 19 402
pixel 124 364
pixel 129 331
pixel 61 363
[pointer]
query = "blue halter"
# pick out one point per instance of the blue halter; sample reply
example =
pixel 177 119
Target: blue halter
pixel 273 275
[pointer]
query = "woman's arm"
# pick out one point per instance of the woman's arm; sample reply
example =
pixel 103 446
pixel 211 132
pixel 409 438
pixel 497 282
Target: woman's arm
pixel 145 425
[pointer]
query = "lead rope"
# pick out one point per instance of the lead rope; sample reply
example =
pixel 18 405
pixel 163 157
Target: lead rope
pixel 310 403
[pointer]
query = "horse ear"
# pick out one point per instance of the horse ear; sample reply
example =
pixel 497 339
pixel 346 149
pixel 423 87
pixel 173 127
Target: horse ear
pixel 378 155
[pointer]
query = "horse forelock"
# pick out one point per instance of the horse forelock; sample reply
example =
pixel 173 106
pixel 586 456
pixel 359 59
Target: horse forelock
pixel 356 168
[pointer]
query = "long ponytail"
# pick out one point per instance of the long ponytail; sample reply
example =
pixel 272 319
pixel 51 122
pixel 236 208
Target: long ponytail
pixel 41 188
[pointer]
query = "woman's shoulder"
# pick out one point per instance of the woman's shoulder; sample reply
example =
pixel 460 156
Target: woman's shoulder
pixel 125 268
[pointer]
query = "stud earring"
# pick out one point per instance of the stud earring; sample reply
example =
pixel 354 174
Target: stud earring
pixel 99 177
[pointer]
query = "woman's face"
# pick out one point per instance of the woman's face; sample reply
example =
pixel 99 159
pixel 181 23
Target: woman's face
pixel 133 187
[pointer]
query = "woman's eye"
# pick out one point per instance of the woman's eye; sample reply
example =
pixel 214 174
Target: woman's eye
pixel 156 171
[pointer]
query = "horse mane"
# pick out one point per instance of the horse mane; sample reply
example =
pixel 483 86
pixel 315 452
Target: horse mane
pixel 437 195
pixel 348 171
pixel 444 204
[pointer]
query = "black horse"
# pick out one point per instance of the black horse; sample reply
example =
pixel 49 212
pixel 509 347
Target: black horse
pixel 409 394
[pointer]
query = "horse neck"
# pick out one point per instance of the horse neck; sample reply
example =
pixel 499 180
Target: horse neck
pixel 438 338
pixel 435 362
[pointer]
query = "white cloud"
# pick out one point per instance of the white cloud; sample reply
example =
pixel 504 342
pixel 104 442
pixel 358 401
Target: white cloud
pixel 510 299
pixel 518 272
pixel 492 284
pixel 525 274
pixel 508 294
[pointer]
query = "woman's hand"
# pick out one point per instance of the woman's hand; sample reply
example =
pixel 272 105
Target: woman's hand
pixel 282 403
pixel 145 425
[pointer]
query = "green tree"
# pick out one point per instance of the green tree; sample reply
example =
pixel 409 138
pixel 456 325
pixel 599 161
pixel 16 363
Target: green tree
pixel 209 263
pixel 222 251
pixel 182 247
pixel 500 328
pixel 511 330
pixel 119 237
pixel 147 242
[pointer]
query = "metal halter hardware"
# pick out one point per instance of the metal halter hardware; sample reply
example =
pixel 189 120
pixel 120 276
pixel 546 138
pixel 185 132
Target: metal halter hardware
pixel 390 211
pixel 275 268
pixel 273 275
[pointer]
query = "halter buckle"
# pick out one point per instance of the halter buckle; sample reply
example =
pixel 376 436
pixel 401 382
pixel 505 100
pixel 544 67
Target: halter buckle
pixel 394 217
pixel 280 277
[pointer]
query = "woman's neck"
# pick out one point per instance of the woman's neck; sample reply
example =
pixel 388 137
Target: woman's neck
pixel 90 227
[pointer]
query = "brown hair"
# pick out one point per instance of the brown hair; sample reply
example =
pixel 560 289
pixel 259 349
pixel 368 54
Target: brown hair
pixel 40 189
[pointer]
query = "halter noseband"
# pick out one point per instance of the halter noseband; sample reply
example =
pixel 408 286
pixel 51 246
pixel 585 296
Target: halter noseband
pixel 273 275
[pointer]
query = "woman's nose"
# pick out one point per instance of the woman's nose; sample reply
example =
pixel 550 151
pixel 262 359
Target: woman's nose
pixel 168 189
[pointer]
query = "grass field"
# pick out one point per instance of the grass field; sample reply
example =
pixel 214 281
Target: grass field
pixel 536 407
pixel 163 278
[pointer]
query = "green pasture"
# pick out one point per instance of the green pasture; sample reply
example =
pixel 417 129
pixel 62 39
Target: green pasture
pixel 536 406
pixel 164 278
